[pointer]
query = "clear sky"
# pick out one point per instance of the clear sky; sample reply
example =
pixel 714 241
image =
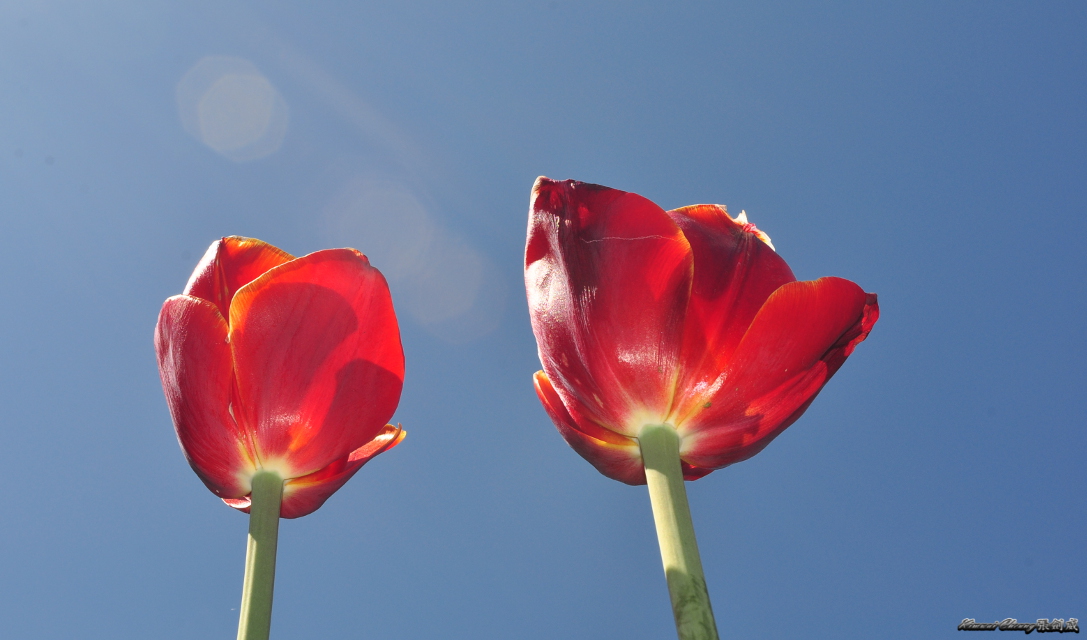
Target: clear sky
pixel 933 152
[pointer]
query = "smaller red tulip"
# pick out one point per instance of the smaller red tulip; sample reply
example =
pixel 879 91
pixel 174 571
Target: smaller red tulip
pixel 271 362
pixel 687 318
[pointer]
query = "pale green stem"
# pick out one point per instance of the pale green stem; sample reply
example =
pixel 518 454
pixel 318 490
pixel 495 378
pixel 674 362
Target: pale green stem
pixel 675 533
pixel 255 620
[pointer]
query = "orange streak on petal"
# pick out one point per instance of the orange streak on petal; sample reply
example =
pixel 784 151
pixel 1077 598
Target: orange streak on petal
pixel 229 264
pixel 613 455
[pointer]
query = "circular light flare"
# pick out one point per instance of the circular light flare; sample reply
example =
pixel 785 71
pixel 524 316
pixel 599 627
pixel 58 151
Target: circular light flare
pixel 438 278
pixel 230 106
pixel 389 224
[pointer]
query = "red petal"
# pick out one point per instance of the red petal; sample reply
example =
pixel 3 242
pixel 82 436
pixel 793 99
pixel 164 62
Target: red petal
pixel 230 264
pixel 195 366
pixel 608 275
pixel 613 455
pixel 318 361
pixel 800 337
pixel 691 472
pixel 302 496
pixel 734 273
pixel 305 495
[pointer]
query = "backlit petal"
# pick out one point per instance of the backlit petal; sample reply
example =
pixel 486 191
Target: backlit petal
pixel 608 276
pixel 230 264
pixel 800 337
pixel 318 358
pixel 302 496
pixel 735 271
pixel 195 365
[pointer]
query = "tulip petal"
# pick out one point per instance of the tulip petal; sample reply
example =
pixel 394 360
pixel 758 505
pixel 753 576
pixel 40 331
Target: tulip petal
pixel 195 365
pixel 608 276
pixel 302 496
pixel 735 271
pixel 613 455
pixel 228 265
pixel 798 340
pixel 318 359
pixel 617 457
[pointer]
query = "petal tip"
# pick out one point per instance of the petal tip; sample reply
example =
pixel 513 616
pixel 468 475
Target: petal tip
pixel 749 227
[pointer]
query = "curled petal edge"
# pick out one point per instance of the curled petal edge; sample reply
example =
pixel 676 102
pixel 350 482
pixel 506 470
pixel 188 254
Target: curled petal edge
pixel 618 457
pixel 622 462
pixel 718 446
pixel 304 495
pixel 229 264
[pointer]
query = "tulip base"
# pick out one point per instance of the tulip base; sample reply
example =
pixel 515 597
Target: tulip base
pixel 675 533
pixel 255 620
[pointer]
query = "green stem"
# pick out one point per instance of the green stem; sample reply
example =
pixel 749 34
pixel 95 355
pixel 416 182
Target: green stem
pixel 255 620
pixel 675 533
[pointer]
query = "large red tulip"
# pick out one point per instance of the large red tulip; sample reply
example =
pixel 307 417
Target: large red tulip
pixel 292 365
pixel 685 317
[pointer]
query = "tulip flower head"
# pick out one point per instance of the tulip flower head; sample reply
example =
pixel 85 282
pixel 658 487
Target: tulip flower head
pixel 276 363
pixel 687 318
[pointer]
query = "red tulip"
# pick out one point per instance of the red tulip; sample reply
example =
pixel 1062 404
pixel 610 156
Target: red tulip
pixel 292 365
pixel 685 317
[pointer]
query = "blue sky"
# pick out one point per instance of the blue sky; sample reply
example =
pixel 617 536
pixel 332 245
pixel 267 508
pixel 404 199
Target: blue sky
pixel 934 153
